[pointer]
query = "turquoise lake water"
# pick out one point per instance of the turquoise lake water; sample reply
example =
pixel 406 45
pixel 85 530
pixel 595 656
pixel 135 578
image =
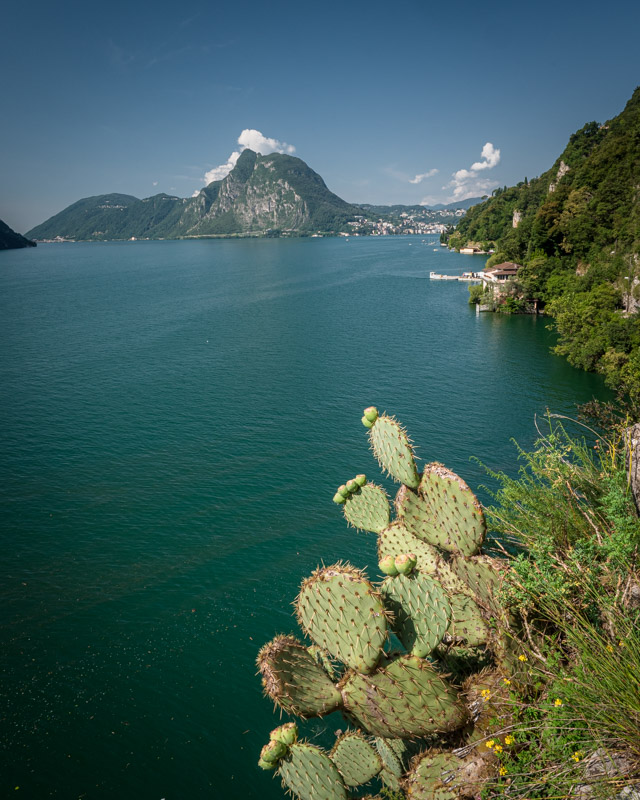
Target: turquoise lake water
pixel 175 418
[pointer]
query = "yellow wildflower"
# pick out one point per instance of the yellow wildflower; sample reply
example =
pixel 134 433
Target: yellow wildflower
pixel 509 739
pixel 486 694
pixel 507 681
pixel 621 644
pixel 609 648
pixel 557 702
pixel 490 743
pixel 522 658
pixel 503 770
pixel 577 755
pixel 498 748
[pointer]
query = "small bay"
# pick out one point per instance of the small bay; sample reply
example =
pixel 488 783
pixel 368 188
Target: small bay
pixel 175 418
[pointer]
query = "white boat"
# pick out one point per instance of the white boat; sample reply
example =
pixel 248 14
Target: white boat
pixel 434 276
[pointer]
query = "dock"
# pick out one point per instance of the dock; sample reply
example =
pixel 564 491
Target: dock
pixel 470 277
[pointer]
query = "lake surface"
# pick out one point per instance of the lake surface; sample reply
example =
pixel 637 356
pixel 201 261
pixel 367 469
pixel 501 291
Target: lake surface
pixel 175 418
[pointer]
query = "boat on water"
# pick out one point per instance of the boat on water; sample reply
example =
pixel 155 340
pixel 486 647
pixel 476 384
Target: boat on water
pixel 436 277
pixel 472 277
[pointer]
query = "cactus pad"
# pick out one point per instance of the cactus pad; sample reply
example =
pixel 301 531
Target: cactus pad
pixel 368 508
pixel 467 621
pixel 392 448
pixel 447 512
pixel 355 759
pixel 420 610
pixel 311 775
pixel 483 576
pixel 293 679
pixel 341 611
pixel 441 775
pixel 404 698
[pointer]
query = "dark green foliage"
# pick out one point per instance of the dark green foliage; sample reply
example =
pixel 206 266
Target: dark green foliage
pixel 579 242
pixel 10 240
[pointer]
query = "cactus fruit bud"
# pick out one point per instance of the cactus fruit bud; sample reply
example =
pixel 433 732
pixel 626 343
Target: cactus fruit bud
pixel 268 765
pixel 343 491
pixel 352 486
pixel 371 414
pixel 405 563
pixel 273 751
pixel 287 734
pixel 387 565
pixel 339 499
pixel 361 480
pixel 366 423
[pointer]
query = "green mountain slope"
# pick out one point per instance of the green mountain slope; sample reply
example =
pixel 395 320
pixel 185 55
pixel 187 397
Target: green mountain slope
pixel 10 240
pixel 576 230
pixel 260 194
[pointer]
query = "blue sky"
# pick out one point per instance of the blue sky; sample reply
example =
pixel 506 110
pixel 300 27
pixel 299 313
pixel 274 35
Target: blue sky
pixel 141 98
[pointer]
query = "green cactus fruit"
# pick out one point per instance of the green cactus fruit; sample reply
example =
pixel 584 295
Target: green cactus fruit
pixel 293 679
pixel 339 499
pixel 324 660
pixel 267 765
pixel 287 734
pixel 444 512
pixel 352 486
pixel 361 480
pixel 406 562
pixel 341 611
pixel 404 698
pixel 421 611
pixel 371 414
pixel 343 491
pixel 368 509
pixel 395 540
pixel 392 448
pixel 388 566
pixel 366 422
pixel 310 774
pixel 483 576
pixel 467 622
pixel 355 759
pixel 273 751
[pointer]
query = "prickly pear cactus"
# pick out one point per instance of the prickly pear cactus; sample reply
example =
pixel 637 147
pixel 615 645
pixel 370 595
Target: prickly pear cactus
pixel 294 680
pixel 421 611
pixel 392 447
pixel 310 774
pixel 367 508
pixel 440 597
pixel 404 698
pixel 342 612
pixel 357 761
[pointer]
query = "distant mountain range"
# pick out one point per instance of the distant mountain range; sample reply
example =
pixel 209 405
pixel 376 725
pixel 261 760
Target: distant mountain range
pixel 268 195
pixel 262 194
pixel 399 209
pixel 10 240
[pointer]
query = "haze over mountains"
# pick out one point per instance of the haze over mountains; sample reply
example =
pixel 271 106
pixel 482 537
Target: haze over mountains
pixel 270 194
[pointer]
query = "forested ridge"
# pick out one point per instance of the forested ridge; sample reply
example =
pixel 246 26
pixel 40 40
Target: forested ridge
pixel 576 231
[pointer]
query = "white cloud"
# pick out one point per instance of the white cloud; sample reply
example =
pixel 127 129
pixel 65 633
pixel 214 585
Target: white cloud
pixel 423 176
pixel 490 158
pixel 466 182
pixel 249 139
pixel 155 183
